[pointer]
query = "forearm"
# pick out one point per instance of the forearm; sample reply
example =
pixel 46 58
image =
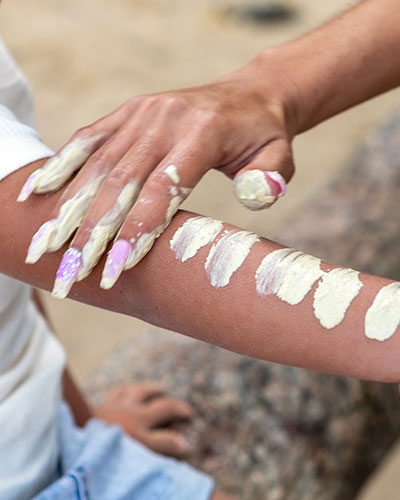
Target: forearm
pixel 343 63
pixel 179 296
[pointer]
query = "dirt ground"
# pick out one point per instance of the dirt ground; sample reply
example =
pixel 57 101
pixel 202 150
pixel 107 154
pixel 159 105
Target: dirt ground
pixel 85 57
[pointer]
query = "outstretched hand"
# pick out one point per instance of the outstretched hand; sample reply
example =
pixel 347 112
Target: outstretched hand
pixel 137 165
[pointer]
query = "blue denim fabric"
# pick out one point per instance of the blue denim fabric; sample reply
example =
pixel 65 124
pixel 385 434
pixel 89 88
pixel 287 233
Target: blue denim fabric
pixel 99 462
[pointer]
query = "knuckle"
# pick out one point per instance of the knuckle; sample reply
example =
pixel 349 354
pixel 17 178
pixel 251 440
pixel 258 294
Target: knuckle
pixel 158 180
pixel 118 177
pixel 84 133
pixel 173 102
pixel 210 118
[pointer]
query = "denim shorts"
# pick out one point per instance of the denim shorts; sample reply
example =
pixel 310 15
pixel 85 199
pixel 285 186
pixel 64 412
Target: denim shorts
pixel 100 462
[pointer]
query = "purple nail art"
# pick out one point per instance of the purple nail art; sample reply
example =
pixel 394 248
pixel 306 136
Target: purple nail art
pixel 276 176
pixel 67 272
pixel 115 263
pixel 28 187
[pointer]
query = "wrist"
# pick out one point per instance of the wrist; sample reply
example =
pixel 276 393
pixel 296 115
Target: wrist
pixel 278 76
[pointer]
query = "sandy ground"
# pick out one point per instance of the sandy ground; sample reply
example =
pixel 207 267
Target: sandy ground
pixel 85 57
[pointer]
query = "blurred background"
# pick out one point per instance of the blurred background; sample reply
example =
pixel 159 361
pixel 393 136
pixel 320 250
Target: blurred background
pixel 85 57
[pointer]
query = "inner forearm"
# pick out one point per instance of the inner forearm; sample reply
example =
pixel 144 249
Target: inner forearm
pixel 343 63
pixel 182 296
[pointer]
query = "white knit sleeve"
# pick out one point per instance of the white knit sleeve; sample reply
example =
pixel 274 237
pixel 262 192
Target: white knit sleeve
pixel 19 144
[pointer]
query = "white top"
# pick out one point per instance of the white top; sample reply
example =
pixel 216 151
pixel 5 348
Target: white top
pixel 31 359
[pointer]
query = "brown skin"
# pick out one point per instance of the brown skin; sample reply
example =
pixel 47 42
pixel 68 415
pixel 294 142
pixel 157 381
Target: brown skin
pixel 244 120
pixel 179 297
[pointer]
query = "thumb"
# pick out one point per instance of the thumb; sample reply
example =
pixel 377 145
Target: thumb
pixel 263 180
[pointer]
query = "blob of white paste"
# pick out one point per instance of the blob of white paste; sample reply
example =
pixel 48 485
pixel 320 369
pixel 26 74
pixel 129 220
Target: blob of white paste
pixel 335 292
pixel 383 317
pixel 227 255
pixel 172 173
pixel 289 274
pixel 194 234
pixel 299 278
pixel 252 190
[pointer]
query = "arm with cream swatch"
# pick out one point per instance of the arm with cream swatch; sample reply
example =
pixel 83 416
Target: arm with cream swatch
pixel 154 149
pixel 227 287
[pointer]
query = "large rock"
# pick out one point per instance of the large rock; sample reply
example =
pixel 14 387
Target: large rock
pixel 271 432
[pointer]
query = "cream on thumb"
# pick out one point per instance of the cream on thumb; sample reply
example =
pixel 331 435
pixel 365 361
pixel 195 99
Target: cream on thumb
pixel 263 180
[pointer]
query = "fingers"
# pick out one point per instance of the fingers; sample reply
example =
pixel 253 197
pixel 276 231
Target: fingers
pixel 114 199
pixel 166 442
pixel 100 234
pixel 264 179
pixel 162 411
pixel 69 214
pixel 162 194
pixel 73 155
pixel 77 199
pixel 58 169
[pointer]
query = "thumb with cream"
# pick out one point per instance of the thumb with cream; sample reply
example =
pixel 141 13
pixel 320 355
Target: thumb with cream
pixel 263 180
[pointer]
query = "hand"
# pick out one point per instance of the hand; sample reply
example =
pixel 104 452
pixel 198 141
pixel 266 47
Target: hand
pixel 140 162
pixel 142 412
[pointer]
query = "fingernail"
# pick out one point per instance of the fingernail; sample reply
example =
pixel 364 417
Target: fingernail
pixel 182 444
pixel 115 263
pixel 277 177
pixel 67 272
pixel 28 187
pixel 40 241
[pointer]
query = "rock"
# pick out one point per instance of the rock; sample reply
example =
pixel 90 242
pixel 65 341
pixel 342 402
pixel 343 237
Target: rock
pixel 266 431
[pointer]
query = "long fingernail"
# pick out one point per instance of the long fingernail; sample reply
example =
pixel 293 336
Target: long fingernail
pixel 40 241
pixel 28 187
pixel 67 272
pixel 277 177
pixel 115 263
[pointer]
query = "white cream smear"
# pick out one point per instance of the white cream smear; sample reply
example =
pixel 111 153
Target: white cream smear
pixel 383 317
pixel 106 229
pixel 144 242
pixel 253 191
pixel 59 168
pixel 172 173
pixel 227 255
pixel 195 233
pixel 52 235
pixel 289 274
pixel 335 292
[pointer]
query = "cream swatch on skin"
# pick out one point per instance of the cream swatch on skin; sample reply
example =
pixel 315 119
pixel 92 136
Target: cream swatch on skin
pixel 335 292
pixel 194 234
pixel 289 274
pixel 383 317
pixel 227 255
